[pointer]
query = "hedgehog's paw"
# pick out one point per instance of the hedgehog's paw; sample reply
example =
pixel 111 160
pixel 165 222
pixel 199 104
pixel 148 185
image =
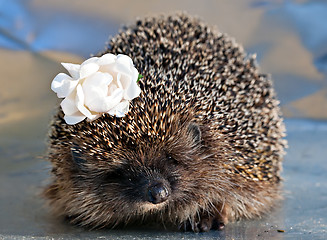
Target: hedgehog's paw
pixel 203 223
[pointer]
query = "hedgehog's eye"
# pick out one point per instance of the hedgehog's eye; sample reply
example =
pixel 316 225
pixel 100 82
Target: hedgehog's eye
pixel 170 158
pixel 112 176
pixel 195 132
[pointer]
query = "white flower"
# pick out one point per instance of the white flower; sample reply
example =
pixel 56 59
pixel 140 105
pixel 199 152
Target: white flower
pixel 99 85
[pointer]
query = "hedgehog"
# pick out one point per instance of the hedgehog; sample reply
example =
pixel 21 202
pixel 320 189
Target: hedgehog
pixel 202 146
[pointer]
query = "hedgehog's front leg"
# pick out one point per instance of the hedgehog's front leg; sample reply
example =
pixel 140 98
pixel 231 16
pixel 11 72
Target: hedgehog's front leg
pixel 204 221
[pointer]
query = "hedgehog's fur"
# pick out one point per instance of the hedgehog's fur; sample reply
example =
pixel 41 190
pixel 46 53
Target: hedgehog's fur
pixel 207 124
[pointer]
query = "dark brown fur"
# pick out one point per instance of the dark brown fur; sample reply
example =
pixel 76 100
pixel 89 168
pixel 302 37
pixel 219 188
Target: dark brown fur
pixel 207 125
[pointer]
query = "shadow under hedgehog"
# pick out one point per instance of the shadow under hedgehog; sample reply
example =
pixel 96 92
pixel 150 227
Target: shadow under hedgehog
pixel 200 146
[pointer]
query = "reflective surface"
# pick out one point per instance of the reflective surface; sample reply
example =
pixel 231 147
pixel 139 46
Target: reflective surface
pixel 289 37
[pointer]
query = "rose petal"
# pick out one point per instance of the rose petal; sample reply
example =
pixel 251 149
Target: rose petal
pixel 73 119
pixel 120 110
pixel 118 82
pixel 63 85
pixel 106 59
pixel 98 80
pixel 72 114
pixel 94 116
pixel 114 99
pixel 109 102
pixel 73 69
pixel 124 64
pixel 135 75
pixel 88 69
pixel 122 58
pixel 95 90
pixel 90 60
pixel 68 105
pixel 79 99
pixel 125 81
pixel 111 88
pixel 133 91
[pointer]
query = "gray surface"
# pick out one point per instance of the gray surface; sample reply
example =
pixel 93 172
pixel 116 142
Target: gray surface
pixel 302 215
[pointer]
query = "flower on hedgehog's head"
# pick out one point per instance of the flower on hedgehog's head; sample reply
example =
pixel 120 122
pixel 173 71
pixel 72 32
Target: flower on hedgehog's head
pixel 99 85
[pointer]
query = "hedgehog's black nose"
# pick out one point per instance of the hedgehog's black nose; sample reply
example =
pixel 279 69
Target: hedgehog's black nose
pixel 157 193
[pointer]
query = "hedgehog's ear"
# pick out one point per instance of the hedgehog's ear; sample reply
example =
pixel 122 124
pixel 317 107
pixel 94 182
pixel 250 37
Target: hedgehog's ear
pixel 195 131
pixel 77 156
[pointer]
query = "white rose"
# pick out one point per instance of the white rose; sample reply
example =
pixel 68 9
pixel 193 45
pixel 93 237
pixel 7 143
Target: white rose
pixel 99 85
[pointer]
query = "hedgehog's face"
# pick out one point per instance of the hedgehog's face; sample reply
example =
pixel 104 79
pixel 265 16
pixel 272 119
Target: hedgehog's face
pixel 153 178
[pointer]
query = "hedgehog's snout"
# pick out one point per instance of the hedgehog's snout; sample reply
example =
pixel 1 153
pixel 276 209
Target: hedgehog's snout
pixel 158 192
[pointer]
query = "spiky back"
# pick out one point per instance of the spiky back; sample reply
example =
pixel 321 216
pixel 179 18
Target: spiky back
pixel 191 71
